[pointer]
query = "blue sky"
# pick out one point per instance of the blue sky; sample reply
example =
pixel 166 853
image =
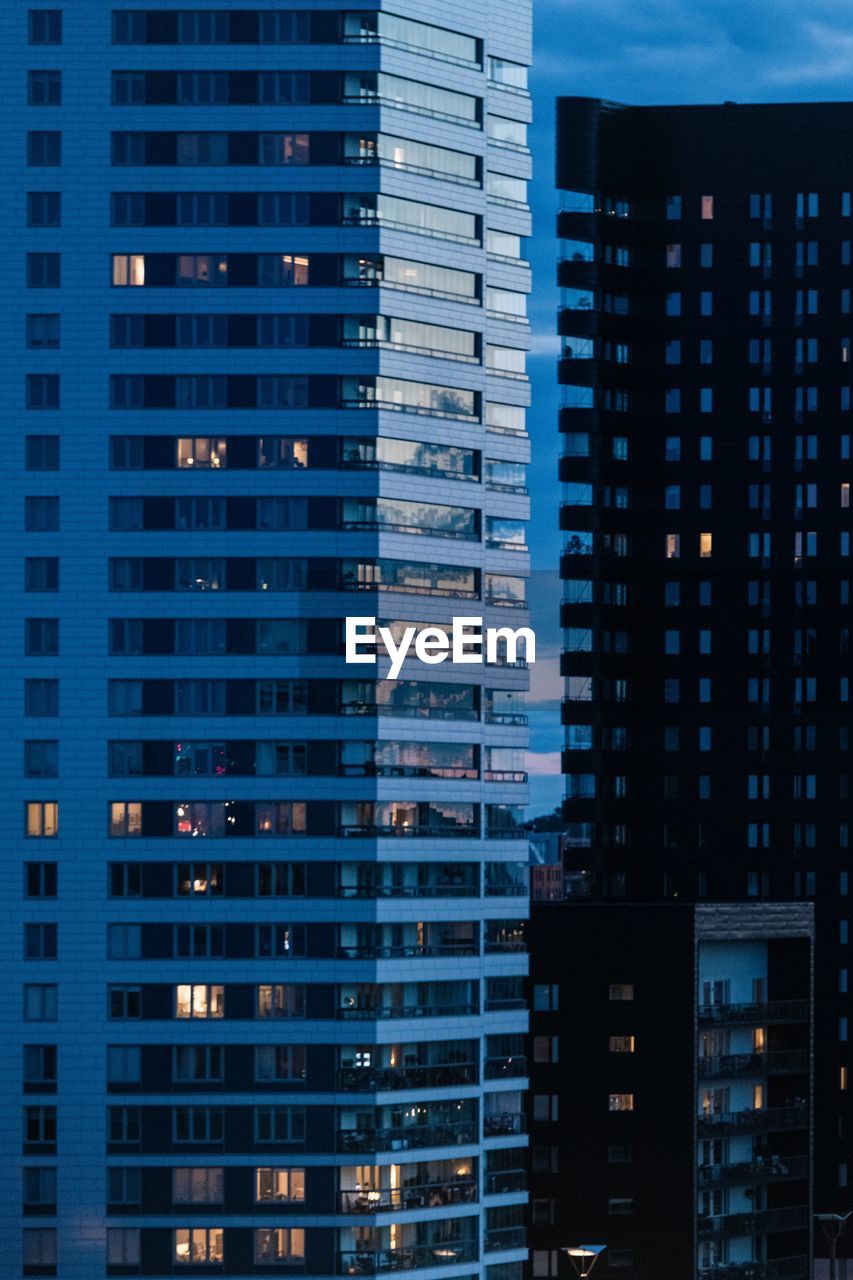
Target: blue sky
pixel 641 51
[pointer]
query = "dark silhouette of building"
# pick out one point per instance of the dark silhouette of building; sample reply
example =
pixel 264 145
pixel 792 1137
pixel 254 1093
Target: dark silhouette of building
pixel 705 424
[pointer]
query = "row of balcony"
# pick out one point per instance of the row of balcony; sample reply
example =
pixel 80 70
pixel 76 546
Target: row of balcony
pixel 450 1075
pixel 772 1011
pixel 415 1137
pixel 762 1222
pixel 798 1268
pixel 793 1116
pixel 751 1064
pixel 752 1172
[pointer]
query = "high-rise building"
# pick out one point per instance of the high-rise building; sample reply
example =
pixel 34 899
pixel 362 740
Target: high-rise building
pixel 265 330
pixel 705 322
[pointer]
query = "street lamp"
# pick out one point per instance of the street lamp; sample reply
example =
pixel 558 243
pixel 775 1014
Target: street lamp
pixel 832 1225
pixel 583 1257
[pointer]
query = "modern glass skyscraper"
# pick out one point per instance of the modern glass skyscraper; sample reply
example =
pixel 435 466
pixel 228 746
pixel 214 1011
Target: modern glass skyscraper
pixel 264 332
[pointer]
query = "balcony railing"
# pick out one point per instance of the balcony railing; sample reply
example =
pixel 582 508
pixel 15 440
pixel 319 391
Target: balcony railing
pixel 505 1183
pixel 790 1117
pixel 505 1238
pixel 749 1064
pixel 751 1172
pixel 409 713
pixel 777 1269
pixel 791 1218
pixel 372 830
pixel 364 1263
pixel 461 772
pixel 412 1138
pixel 507 1122
pixel 411 951
pixel 769 1011
pixel 428 1195
pixel 380 1012
pixel 412 891
pixel 378 1079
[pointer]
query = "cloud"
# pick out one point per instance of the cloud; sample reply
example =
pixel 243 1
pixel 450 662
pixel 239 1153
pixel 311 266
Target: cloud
pixel 543 764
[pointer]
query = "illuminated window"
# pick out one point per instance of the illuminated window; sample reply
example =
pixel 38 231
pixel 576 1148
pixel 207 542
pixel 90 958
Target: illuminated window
pixel 706 544
pixel 707 208
pixel 198 1244
pixel 284 1186
pixel 842 1077
pixel 279 1244
pixel 621 1044
pixel 202 452
pixel 199 1000
pixel 673 546
pixel 42 818
pixel 620 1102
pixel 128 269
pixel 757 1096
pixel 125 818
pixel 281 1000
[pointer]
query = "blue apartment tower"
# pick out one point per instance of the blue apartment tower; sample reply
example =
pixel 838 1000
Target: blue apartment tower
pixel 264 333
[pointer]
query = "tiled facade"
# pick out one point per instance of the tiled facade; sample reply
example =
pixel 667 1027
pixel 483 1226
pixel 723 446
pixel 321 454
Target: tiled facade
pixel 264 303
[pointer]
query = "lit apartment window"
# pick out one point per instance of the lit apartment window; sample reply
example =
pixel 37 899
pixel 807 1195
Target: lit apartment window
pixel 706 544
pixel 621 1044
pixel 198 1245
pixel 279 1244
pixel 281 1186
pixel 199 1000
pixel 707 208
pixel 620 1102
pixel 42 818
pixel 128 269
pixel 281 1000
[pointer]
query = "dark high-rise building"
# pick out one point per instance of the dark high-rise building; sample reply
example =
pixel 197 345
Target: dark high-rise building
pixel 705 320
pixel 264 334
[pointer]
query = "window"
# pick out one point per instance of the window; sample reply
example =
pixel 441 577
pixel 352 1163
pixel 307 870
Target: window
pixel 198 1245
pixel 621 991
pixel 199 1001
pixel 621 1044
pixel 279 1124
pixel 279 1244
pixel 44 148
pixel 124 1064
pixel 41 635
pixel 279 1185
pixel 41 515
pixel 43 270
pixel 40 1002
pixel 41 698
pixel 204 1185
pixel 39 1186
pixel 281 1000
pixel 45 26
pixel 39 1247
pixel 42 818
pixel 42 390
pixel 124 941
pixel 44 88
pixel 124 1002
pixel 41 758
pixel 40 1064
pixel 707 208
pixel 123 1246
pixel 44 209
pixel 125 818
pixel 40 879
pixel 620 1102
pixel 197 1124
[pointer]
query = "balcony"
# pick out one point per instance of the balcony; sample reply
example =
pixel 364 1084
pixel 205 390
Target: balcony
pixel 752 1172
pixel 412 951
pixel 408 712
pixel 777 1269
pixel 790 1117
pixel 750 1064
pixel 378 1079
pixel 507 1182
pixel 381 1012
pixel 429 1195
pixel 373 831
pixel 412 1138
pixel 364 1263
pixel 437 890
pixel 511 1068
pixel 505 1238
pixel 774 1011
pixel 506 1124
pixel 791 1218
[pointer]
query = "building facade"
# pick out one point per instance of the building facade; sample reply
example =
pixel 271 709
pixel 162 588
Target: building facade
pixel 265 320
pixel 705 322
pixel 671 1088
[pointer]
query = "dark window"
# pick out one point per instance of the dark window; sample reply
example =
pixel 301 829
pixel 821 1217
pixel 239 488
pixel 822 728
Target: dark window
pixel 39 1063
pixel 43 270
pixel 44 209
pixel 41 514
pixel 41 637
pixel 44 147
pixel 40 879
pixel 40 941
pixel 42 390
pixel 45 26
pixel 44 88
pixel 42 453
pixel 41 758
pixel 43 331
pixel 41 697
pixel 41 573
